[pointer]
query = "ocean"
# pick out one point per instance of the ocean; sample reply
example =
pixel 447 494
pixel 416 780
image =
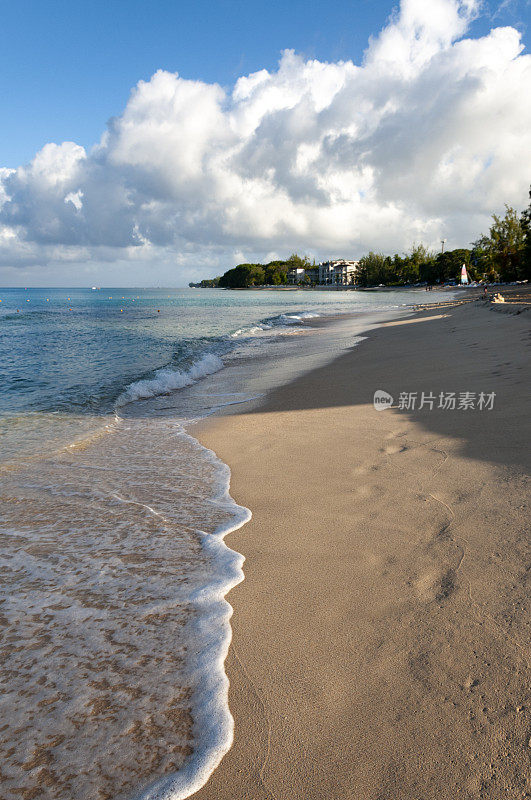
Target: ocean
pixel 113 618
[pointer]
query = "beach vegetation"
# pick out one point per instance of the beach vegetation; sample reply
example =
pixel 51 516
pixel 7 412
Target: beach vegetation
pixel 525 222
pixel 507 240
pixel 274 273
pixel 374 269
pixel 481 264
pixel 207 283
pixel 298 262
pixel 504 254
pixel 243 276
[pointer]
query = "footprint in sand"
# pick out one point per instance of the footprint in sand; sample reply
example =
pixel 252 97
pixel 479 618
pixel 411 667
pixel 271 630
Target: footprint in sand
pixel 361 470
pixel 393 446
pixel 435 584
pixel 363 491
pixel 364 470
pixel 391 449
pixel 395 434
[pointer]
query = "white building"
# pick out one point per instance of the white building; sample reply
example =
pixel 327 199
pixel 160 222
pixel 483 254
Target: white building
pixel 296 275
pixel 338 272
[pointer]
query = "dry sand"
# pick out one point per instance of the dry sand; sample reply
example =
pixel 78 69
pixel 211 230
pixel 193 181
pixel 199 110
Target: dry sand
pixel 380 646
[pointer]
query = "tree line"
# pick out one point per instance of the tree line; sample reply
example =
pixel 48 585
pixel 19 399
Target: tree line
pixel 502 255
pixel 244 276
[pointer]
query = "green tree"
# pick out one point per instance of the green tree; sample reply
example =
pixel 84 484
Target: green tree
pixel 243 276
pixel 481 260
pixel 447 266
pixel 507 241
pixel 525 223
pixel 407 268
pixel 400 269
pixel 297 262
pixel 276 273
pixel 419 265
pixel 373 269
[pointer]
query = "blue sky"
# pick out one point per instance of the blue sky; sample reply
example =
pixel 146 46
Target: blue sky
pixel 67 67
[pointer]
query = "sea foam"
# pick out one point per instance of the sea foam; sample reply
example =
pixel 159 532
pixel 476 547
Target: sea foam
pixel 273 325
pixel 292 319
pixel 168 380
pixel 115 569
pixel 213 722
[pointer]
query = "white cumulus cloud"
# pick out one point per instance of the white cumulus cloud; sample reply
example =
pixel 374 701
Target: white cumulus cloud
pixel 421 141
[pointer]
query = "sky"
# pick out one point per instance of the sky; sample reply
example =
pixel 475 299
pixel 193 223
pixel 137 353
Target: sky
pixel 153 143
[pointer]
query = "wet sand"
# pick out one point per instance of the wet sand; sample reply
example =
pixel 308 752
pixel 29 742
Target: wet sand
pixel 380 638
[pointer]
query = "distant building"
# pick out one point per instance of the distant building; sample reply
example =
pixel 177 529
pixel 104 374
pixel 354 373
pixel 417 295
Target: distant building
pixel 328 273
pixel 338 272
pixel 296 275
pixel 312 274
pixel 300 275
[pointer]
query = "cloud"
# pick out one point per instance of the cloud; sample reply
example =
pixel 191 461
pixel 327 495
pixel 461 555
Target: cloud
pixel 421 141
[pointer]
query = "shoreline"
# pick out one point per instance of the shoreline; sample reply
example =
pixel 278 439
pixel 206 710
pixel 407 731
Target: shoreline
pixel 308 684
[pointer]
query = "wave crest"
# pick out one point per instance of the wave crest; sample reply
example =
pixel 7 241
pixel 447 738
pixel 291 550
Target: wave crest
pixel 167 380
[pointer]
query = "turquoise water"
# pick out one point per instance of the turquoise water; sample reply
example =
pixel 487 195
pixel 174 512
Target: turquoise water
pixel 114 622
pixel 78 349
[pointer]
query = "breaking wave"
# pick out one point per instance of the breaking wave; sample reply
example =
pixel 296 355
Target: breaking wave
pixel 167 380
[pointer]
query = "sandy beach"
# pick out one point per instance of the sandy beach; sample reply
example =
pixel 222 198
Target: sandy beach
pixel 380 638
